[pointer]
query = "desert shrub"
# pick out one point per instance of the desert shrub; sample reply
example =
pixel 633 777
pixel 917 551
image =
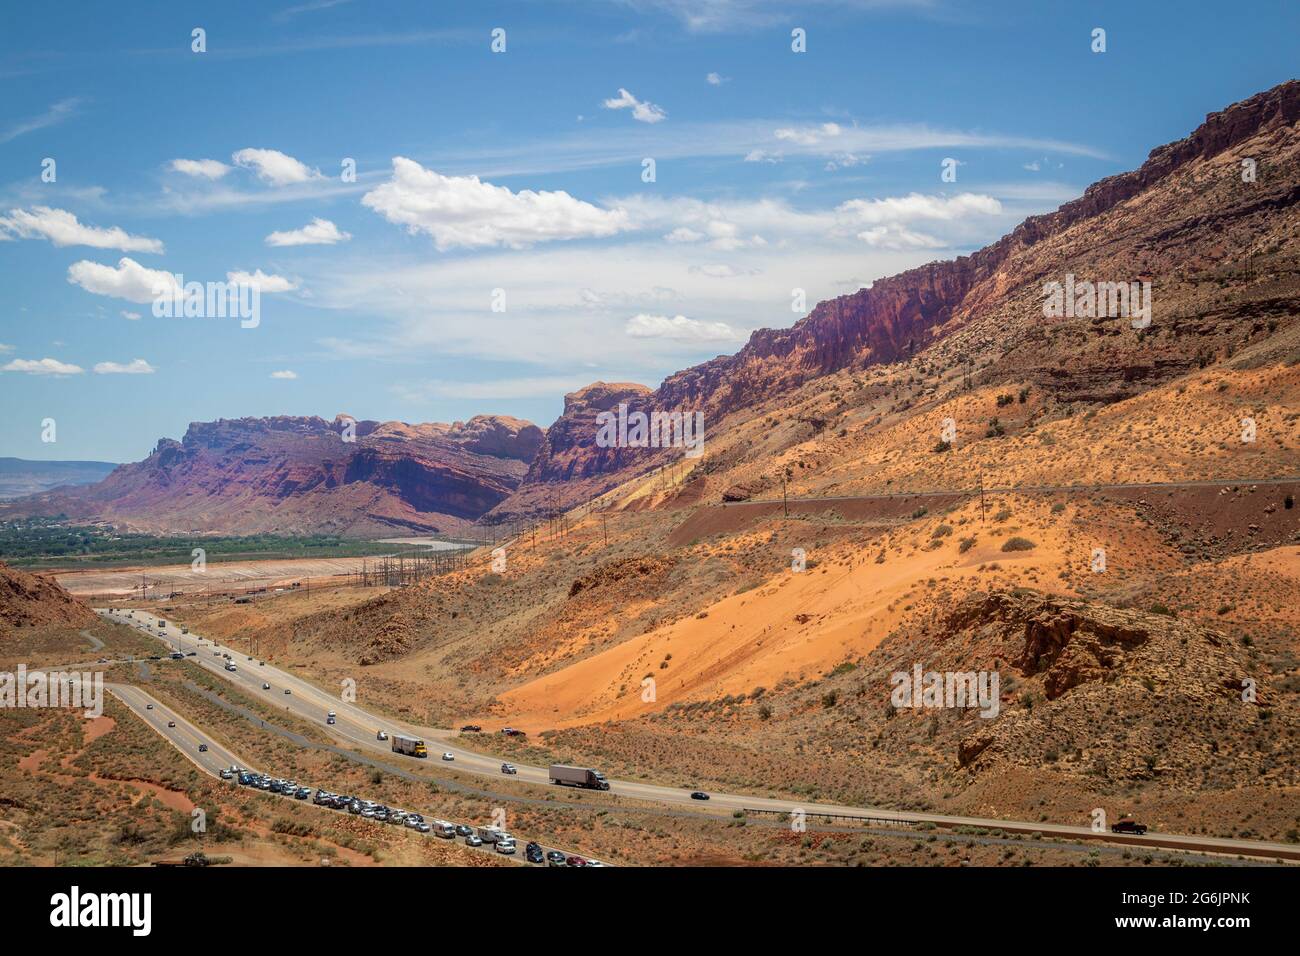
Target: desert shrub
pixel 1018 544
pixel 965 545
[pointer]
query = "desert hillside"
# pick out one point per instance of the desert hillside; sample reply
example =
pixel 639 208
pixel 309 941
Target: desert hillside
pixel 34 600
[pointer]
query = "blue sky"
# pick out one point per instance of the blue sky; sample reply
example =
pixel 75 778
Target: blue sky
pixel 522 171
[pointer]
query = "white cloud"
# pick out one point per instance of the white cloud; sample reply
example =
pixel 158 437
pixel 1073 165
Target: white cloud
pixel 135 367
pixel 762 156
pixel 275 167
pixel 897 237
pixel 715 270
pixel 715 79
pixel 45 366
pixel 680 328
pixel 684 234
pixel 129 280
pixel 569 303
pixel 466 212
pixel 133 316
pixel 844 161
pixel 5 348
pixel 808 135
pixel 201 168
pixel 285 374
pixel 644 111
pixel 63 229
pixel 1033 167
pixel 318 232
pixel 262 281
pixel 913 206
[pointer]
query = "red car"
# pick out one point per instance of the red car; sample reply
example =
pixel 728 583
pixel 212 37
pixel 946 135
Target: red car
pixel 576 861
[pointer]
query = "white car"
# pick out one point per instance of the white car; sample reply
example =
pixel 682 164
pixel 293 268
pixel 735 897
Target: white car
pixel 506 846
pixel 380 735
pixel 449 756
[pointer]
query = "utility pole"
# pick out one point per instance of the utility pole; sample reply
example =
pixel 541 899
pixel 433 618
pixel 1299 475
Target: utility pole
pixel 981 497
pixel 604 526
pixel 785 507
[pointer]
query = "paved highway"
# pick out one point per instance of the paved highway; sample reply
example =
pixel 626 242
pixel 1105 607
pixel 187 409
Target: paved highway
pixel 1021 490
pixel 187 738
pixel 358 727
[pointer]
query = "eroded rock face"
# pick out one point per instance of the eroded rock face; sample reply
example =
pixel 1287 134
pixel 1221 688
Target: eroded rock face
pixel 569 451
pixel 300 476
pixel 1067 667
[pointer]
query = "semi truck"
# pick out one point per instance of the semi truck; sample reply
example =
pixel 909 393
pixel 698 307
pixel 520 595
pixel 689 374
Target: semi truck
pixel 411 746
pixel 578 777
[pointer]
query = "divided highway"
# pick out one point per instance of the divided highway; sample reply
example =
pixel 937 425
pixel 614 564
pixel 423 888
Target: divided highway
pixel 187 738
pixel 358 727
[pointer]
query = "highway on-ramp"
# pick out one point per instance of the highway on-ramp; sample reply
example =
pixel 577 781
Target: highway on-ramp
pixel 357 727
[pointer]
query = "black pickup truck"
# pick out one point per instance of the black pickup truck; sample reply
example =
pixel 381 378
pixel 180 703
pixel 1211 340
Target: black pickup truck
pixel 1129 826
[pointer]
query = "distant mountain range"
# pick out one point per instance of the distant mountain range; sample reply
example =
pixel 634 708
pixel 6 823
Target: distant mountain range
pixel 293 475
pixel 19 477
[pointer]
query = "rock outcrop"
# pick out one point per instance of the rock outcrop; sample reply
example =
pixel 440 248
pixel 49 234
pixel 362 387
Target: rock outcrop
pixel 35 600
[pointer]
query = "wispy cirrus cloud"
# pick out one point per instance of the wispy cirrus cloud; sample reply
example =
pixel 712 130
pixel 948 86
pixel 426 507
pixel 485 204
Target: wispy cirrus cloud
pixel 738 139
pixel 56 114
pixel 717 16
pixel 313 6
